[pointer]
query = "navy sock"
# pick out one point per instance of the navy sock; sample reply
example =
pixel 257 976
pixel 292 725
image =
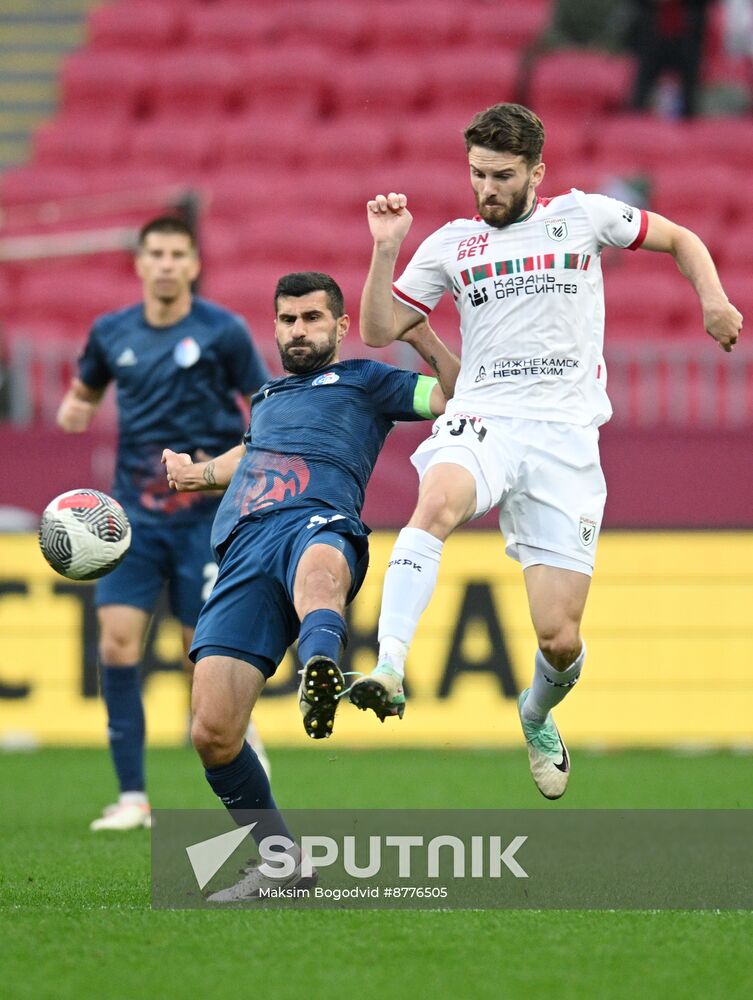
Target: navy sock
pixel 121 689
pixel 323 633
pixel 243 784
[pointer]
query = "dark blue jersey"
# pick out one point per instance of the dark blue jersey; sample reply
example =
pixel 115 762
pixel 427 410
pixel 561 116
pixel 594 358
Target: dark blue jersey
pixel 177 388
pixel 314 439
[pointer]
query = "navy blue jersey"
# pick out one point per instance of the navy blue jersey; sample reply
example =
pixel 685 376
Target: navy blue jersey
pixel 314 439
pixel 177 388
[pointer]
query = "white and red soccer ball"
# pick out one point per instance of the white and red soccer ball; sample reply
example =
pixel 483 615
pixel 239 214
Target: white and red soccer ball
pixel 84 534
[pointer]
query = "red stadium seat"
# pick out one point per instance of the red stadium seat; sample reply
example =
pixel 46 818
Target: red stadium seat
pixel 380 84
pixel 662 304
pixel 344 28
pixel 349 141
pixel 729 141
pixel 230 26
pixel 514 25
pixel 733 249
pixel 136 24
pixel 577 82
pixel 420 25
pixel 74 298
pixel 641 142
pixel 263 137
pixel 291 77
pixel 110 83
pixel 469 78
pixel 33 183
pixel 189 148
pixel 434 137
pixel 79 141
pixel 193 82
pixel 687 189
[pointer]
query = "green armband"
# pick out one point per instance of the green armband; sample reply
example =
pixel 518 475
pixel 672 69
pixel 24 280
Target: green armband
pixel 422 396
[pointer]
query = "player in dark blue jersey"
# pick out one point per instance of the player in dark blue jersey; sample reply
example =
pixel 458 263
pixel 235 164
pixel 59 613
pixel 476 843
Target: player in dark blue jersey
pixel 179 363
pixel 293 550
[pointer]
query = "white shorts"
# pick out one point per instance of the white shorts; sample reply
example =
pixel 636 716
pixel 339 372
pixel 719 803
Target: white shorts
pixel 545 477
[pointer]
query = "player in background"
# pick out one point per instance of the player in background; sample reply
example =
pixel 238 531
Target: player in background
pixel 521 432
pixel 292 548
pixel 178 362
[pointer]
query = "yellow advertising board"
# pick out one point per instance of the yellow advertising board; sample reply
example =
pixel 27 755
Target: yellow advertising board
pixel 669 630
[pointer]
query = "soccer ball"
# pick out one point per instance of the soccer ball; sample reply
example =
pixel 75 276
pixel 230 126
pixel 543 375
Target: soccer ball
pixel 84 534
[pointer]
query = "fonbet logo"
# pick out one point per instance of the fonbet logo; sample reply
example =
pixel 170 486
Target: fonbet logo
pixel 481 856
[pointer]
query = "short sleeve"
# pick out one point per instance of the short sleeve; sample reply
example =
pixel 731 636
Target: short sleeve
pixel 423 282
pixel 245 368
pixel 393 391
pixel 615 223
pixel 93 367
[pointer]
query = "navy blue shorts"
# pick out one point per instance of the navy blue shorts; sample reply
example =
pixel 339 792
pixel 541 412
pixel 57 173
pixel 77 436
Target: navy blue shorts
pixel 180 555
pixel 250 614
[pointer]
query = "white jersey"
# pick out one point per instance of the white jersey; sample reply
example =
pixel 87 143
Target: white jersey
pixel 531 304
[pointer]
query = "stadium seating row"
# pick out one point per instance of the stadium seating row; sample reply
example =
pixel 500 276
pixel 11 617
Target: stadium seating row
pixel 240 25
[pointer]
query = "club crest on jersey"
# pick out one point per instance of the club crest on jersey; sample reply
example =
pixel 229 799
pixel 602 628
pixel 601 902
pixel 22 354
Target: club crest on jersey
pixel 328 378
pixel 587 532
pixel 187 352
pixel 556 229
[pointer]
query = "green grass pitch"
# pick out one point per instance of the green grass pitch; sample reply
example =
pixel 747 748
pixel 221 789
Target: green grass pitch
pixel 75 918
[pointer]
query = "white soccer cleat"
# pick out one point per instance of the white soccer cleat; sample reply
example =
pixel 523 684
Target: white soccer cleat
pixel 547 753
pixel 255 742
pixel 124 816
pixel 253 881
pixel 381 691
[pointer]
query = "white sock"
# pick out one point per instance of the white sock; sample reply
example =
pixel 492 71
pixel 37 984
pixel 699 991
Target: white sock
pixel 550 686
pixel 408 585
pixel 133 799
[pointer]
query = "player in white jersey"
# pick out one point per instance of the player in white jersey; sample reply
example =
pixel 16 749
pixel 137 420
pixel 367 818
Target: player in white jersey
pixel 521 433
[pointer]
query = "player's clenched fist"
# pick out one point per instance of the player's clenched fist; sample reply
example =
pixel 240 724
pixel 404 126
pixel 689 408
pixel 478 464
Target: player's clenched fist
pixel 389 218
pixel 724 325
pixel 176 465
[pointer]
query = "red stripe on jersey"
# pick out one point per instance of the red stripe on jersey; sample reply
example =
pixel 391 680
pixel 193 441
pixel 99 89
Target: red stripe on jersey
pixel 79 500
pixel 641 232
pixel 409 301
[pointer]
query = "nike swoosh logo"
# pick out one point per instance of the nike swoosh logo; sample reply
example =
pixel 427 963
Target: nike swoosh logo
pixel 564 764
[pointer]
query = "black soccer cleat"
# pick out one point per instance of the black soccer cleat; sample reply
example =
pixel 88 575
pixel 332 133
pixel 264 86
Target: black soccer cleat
pixel 322 683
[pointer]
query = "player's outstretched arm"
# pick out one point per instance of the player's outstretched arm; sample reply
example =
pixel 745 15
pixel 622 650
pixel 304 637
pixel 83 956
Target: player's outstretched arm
pixel 78 406
pixel 721 319
pixel 187 476
pixel 440 358
pixel 383 319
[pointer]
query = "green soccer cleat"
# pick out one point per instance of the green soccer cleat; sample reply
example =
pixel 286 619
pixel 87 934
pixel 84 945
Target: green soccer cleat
pixel 547 753
pixel 381 691
pixel 322 683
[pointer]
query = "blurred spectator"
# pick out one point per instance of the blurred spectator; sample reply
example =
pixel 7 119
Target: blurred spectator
pixel 738 28
pixel 668 36
pixel 604 24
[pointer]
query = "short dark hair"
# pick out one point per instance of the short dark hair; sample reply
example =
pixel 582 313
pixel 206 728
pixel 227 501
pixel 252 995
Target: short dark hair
pixel 304 282
pixel 507 128
pixel 166 224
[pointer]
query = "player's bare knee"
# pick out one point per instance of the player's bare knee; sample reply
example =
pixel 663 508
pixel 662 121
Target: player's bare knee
pixel 438 513
pixel 214 743
pixel 118 649
pixel 561 646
